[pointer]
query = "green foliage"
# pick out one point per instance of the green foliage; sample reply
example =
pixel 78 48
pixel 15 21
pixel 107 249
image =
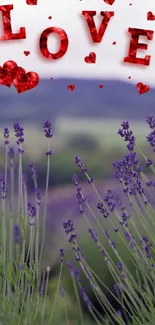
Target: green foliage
pixel 83 142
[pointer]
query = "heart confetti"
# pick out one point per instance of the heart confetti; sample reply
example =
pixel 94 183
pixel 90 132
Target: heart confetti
pixel 114 43
pixel 31 2
pixel 91 58
pixel 109 2
pixel 142 88
pixel 24 81
pixel 150 16
pixel 6 73
pixel 27 53
pixel 100 86
pixel 71 87
pixel 50 17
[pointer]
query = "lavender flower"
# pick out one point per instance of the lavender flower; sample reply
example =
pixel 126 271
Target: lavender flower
pixel 108 198
pixel 33 171
pixel 102 209
pixel 42 288
pixel 3 187
pixel 17 233
pixel 93 235
pixel 85 297
pixel 121 269
pixel 19 133
pixel 6 135
pixel 80 197
pixel 80 164
pixel 68 226
pixel 148 163
pixel 126 171
pixel 151 121
pixel 38 196
pixel 47 126
pixel 11 153
pixel 31 210
pixel 61 255
pixel 127 135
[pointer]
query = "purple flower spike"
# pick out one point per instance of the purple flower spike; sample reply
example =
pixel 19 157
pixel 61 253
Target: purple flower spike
pixel 61 255
pixel 47 126
pixel 19 132
pixel 33 171
pixel 127 135
pixel 80 164
pixel 11 153
pixel 148 163
pixel 31 210
pixel 151 121
pixel 17 233
pixel 3 187
pixel 6 135
pixel 38 196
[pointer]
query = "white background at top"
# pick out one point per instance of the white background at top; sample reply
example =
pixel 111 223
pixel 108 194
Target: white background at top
pixel 67 15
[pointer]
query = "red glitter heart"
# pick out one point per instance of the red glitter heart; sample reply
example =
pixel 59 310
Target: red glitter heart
pixel 150 16
pixel 71 87
pixel 114 43
pixel 91 58
pixel 31 2
pixel 6 73
pixel 100 86
pixel 25 81
pixel 50 17
pixel 26 53
pixel 142 88
pixel 109 2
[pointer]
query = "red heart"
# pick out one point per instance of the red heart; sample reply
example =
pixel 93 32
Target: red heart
pixel 25 81
pixel 142 88
pixel 91 58
pixel 71 87
pixel 109 2
pixel 114 43
pixel 150 16
pixel 50 17
pixel 6 73
pixel 26 53
pixel 100 86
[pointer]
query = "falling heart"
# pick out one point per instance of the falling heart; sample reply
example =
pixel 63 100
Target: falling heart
pixel 7 73
pixel 142 88
pixel 109 2
pixel 27 53
pixel 150 16
pixel 71 87
pixel 91 58
pixel 25 81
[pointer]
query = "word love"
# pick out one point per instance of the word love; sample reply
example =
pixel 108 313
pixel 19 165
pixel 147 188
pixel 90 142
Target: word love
pixel 11 73
pixel 96 36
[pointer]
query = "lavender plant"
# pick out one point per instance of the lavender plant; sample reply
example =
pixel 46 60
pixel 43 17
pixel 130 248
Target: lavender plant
pixel 133 289
pixel 23 287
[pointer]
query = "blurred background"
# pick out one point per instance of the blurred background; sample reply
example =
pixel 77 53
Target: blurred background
pixel 84 121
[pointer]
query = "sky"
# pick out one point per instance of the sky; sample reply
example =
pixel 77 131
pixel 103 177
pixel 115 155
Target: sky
pixel 67 14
